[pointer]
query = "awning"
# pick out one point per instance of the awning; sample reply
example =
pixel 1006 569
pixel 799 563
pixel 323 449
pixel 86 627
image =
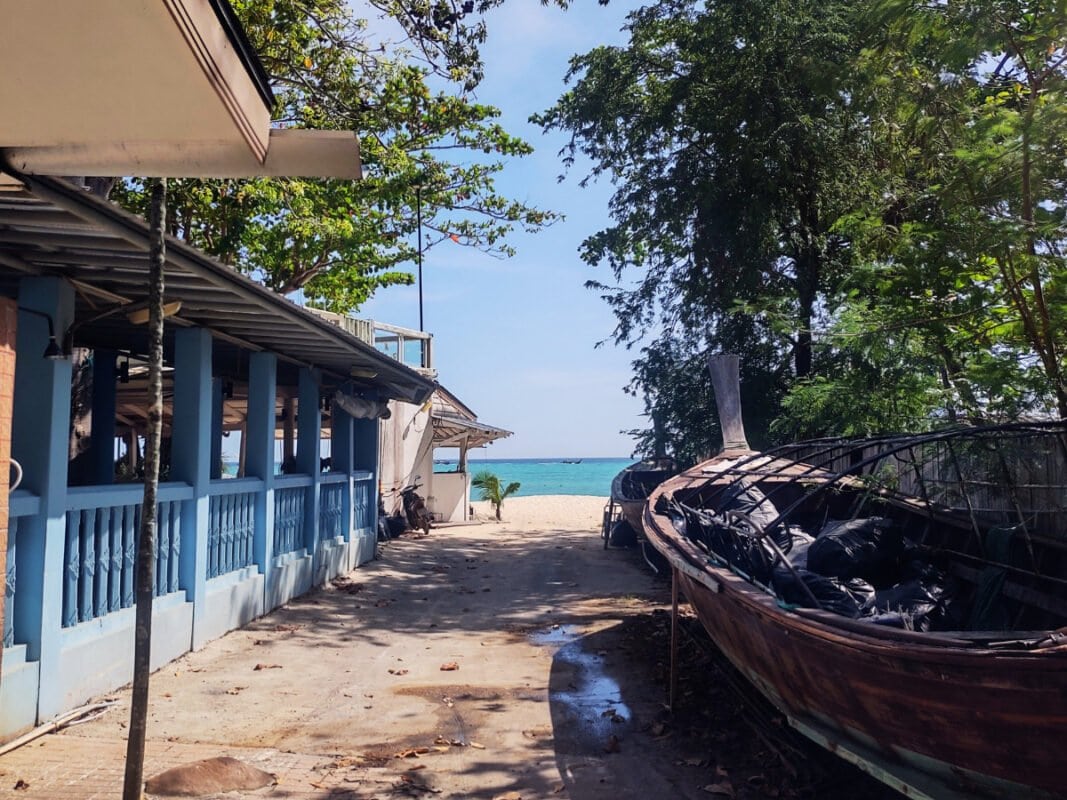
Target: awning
pixel 51 227
pixel 454 431
pixel 455 425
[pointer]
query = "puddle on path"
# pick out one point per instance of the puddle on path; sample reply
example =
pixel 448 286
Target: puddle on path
pixel 582 691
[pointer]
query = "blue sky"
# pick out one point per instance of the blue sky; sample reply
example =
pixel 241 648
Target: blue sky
pixel 514 339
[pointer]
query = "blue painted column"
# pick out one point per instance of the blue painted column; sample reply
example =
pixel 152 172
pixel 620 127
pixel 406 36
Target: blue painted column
pixel 341 462
pixel 190 462
pixel 216 428
pixel 308 449
pixel 365 446
pixel 259 458
pixel 102 444
pixel 40 442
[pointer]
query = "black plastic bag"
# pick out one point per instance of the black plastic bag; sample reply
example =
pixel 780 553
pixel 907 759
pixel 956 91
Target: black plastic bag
pixel 913 604
pixel 747 498
pixel 848 598
pixel 867 548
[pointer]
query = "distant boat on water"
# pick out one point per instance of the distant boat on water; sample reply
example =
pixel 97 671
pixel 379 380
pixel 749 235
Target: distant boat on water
pixel 576 461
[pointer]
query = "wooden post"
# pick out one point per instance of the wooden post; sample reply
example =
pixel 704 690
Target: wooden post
pixel 674 639
pixel 725 379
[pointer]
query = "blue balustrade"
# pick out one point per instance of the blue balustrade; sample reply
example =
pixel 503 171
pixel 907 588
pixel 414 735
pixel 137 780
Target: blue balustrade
pixel 101 548
pixel 231 526
pixel 332 506
pixel 363 499
pixel 290 497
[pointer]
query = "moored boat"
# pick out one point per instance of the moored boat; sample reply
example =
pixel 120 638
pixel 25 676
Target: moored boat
pixel 902 600
pixel 632 486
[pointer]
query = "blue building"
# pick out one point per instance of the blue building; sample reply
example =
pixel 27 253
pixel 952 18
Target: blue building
pixel 242 363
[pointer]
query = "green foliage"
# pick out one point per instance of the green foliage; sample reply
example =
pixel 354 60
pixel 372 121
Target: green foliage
pixel 492 490
pixel 340 241
pixel 876 189
pixel 966 230
pixel 733 153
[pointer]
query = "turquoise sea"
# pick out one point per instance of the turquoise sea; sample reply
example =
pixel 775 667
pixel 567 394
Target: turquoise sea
pixel 540 476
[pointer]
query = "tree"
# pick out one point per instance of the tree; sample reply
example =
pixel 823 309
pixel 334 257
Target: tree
pixel 966 234
pixel 335 241
pixel 133 781
pixel 491 489
pixel 721 125
pixel 734 152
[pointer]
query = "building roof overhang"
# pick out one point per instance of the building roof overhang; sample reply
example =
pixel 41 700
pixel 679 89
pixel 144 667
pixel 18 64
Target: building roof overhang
pixel 456 425
pixel 51 227
pixel 165 88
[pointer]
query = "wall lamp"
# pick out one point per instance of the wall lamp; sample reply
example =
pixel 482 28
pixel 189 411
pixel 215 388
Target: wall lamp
pixel 52 351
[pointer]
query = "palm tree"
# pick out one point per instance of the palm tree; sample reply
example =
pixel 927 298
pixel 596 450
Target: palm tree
pixel 490 486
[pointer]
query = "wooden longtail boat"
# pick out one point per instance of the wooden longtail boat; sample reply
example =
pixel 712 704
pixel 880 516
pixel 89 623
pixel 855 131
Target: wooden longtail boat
pixel 632 486
pixel 961 696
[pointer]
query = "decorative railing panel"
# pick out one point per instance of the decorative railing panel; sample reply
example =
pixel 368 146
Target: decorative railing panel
pixel 332 507
pixel 101 549
pixel 363 504
pixel 289 518
pixel 231 528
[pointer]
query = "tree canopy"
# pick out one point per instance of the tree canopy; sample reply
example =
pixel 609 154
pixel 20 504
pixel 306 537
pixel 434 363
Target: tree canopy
pixel 865 200
pixel 339 241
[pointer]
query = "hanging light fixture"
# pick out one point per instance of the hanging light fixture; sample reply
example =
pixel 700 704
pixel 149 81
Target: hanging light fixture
pixel 52 351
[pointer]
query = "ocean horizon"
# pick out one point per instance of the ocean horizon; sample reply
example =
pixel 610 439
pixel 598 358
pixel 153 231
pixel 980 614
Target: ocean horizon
pixel 575 475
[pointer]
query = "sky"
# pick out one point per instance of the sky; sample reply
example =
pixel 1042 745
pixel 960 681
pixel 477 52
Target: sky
pixel 515 339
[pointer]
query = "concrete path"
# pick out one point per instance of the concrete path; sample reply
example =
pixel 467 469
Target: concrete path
pixel 479 662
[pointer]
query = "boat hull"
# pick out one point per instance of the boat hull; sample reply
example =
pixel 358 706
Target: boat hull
pixel 939 720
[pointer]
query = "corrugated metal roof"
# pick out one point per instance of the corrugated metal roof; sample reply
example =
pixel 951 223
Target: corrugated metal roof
pixel 55 228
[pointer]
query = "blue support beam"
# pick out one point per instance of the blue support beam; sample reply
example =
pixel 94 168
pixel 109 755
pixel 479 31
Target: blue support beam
pixel 341 462
pixel 216 428
pixel 40 443
pixel 259 454
pixel 102 444
pixel 308 454
pixel 190 462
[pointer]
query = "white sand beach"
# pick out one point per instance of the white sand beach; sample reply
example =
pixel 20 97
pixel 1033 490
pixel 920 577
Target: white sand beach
pixel 546 512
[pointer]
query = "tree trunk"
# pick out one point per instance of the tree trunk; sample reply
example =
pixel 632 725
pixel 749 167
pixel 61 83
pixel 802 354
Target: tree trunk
pixel 146 547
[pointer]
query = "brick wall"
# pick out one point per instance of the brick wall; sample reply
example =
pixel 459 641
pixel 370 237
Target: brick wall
pixel 8 327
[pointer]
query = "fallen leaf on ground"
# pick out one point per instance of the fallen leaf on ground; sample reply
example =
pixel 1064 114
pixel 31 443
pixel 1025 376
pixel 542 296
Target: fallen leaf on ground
pixel 398 672
pixel 508 796
pixel 286 628
pixel 412 752
pixel 21 784
pixel 259 667
pixel 560 789
pixel 657 728
pixel 236 690
pixel 722 788
pixel 451 666
pixel 477 746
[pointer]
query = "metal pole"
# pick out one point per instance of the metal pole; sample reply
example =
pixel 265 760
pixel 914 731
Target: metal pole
pixel 674 638
pixel 418 217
